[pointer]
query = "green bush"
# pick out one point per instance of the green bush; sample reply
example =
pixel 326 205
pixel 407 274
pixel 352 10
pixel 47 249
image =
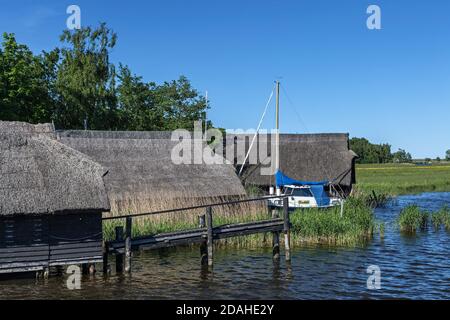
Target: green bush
pixel 441 218
pixel 412 219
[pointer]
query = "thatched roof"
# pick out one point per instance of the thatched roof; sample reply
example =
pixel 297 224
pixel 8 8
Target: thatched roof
pixel 307 157
pixel 39 175
pixel 142 176
pixel 42 129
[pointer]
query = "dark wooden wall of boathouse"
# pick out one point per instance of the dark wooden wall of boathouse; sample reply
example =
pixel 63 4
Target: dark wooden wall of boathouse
pixel 29 243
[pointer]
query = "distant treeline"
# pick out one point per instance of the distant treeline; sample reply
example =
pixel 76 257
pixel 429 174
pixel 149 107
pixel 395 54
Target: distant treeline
pixel 377 153
pixel 75 85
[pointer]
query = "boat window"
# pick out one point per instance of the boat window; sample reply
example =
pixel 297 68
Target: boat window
pixel 288 191
pixel 302 193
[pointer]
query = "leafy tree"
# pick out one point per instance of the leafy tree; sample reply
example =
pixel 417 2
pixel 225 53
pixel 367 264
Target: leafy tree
pixel 447 155
pixel 180 103
pixel 371 153
pixel 85 83
pixel 147 106
pixel 137 110
pixel 401 156
pixel 25 82
pixel 78 83
pixel 438 159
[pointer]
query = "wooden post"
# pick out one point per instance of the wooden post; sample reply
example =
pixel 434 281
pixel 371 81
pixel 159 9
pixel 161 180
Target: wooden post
pixel 209 241
pixel 59 270
pixel 275 239
pixel 119 256
pixel 46 272
pixel 128 244
pixel 105 258
pixel 203 245
pixel 92 269
pixel 287 229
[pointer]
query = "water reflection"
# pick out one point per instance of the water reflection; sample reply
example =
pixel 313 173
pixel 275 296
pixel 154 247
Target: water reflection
pixel 411 267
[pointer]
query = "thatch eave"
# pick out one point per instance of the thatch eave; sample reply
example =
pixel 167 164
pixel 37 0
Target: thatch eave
pixel 307 157
pixel 39 175
pixel 143 177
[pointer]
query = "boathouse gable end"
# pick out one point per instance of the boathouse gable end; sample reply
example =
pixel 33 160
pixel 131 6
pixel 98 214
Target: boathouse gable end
pixel 305 157
pixel 51 201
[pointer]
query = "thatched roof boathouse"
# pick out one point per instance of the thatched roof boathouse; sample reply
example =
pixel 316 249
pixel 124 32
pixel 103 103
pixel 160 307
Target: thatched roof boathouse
pixel 305 157
pixel 51 201
pixel 142 176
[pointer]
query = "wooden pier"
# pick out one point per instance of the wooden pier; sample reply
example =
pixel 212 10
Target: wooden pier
pixel 205 235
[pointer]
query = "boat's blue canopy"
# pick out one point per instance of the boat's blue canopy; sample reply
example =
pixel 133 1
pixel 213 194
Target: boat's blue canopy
pixel 282 180
pixel 317 188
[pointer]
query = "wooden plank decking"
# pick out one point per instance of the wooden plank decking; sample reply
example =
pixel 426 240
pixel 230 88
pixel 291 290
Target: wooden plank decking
pixel 197 235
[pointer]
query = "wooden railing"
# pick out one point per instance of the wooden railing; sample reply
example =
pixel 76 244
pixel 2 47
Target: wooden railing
pixel 205 235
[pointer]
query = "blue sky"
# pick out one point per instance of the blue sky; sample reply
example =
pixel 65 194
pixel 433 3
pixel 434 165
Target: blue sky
pixel 390 85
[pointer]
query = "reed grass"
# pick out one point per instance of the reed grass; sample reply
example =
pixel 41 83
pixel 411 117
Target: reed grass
pixel 412 219
pixel 319 226
pixel 189 219
pixel 309 226
pixel 382 228
pixel 372 198
pixel 254 191
pixel 441 218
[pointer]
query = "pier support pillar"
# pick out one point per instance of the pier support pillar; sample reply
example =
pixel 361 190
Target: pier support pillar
pixel 128 244
pixel 84 268
pixel 119 256
pixel 275 238
pixel 92 269
pixel 46 273
pixel 203 245
pixel 287 229
pixel 105 258
pixel 209 242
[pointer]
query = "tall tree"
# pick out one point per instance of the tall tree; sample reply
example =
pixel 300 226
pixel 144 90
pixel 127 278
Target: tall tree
pixel 371 153
pixel 25 82
pixel 137 110
pixel 180 103
pixel 77 84
pixel 447 155
pixel 85 83
pixel 401 156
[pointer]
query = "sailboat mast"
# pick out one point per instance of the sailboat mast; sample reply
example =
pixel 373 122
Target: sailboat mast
pixel 277 128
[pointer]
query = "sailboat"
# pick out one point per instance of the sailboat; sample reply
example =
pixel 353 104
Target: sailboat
pixel 301 194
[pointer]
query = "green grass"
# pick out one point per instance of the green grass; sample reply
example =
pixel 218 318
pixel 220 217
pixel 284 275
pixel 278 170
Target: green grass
pixel 372 198
pixel 398 179
pixel 441 218
pixel 412 219
pixel 327 226
pixel 310 226
pixel 148 226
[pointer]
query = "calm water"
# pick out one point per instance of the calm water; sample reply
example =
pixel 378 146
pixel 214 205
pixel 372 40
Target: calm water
pixel 411 267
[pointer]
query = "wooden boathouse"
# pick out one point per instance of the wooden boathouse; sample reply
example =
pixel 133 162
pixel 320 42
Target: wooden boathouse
pixel 306 157
pixel 142 176
pixel 53 193
pixel 51 201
